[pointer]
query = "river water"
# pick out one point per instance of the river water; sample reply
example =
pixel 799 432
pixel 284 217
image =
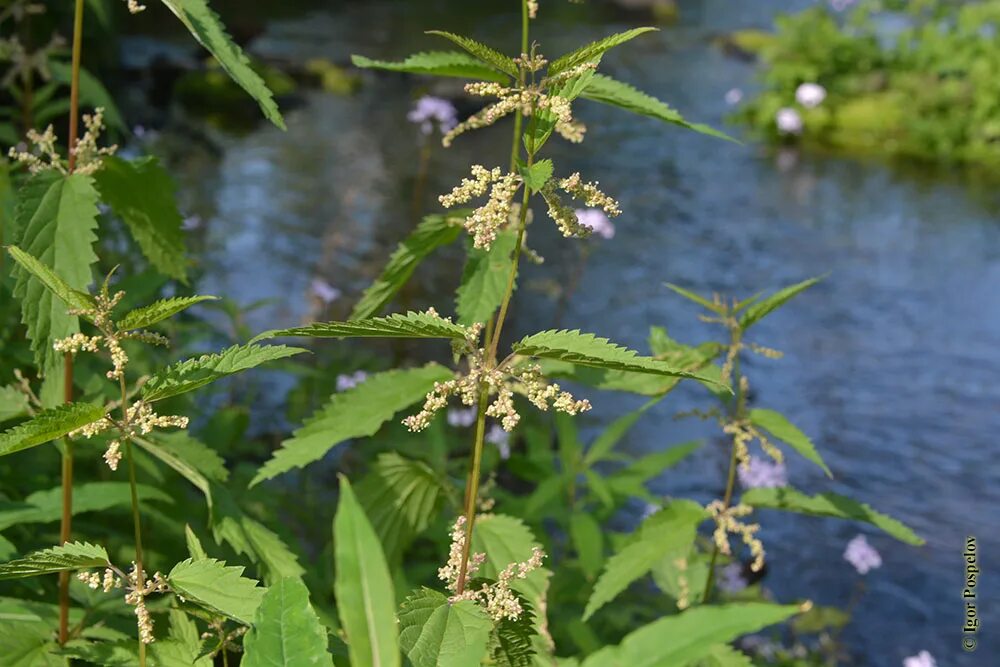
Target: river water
pixel 890 364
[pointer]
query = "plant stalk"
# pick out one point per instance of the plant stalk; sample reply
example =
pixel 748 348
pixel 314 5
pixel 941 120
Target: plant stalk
pixel 136 519
pixel 66 522
pixel 472 492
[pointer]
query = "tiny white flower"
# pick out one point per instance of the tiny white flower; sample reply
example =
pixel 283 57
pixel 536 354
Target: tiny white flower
pixel 324 291
pixel 922 659
pixel 734 97
pixel 789 121
pixel 810 95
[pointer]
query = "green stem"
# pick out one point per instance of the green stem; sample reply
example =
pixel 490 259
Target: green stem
pixel 472 492
pixel 66 521
pixel 134 491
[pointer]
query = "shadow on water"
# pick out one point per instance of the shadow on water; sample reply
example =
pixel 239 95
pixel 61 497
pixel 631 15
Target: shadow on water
pixel 891 363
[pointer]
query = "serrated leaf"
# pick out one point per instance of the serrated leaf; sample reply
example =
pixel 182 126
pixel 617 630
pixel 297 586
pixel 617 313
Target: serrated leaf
pixel 13 403
pixel 69 556
pixel 595 50
pixel 691 635
pixel 363 586
pixel 589 350
pixel 48 425
pixel 141 193
pixel 46 506
pixel 410 325
pixel 777 425
pixel 537 175
pixel 604 89
pixel 759 310
pixel 512 643
pixel 192 374
pixel 435 633
pixel 433 232
pixel 286 631
pixel 147 316
pixel 484 279
pixel 57 216
pixel 217 587
pixel 436 63
pixel 401 496
pixel 70 297
pixel 195 550
pixel 670 530
pixel 487 54
pixel 696 298
pixel 206 27
pixel 355 413
pixel 829 505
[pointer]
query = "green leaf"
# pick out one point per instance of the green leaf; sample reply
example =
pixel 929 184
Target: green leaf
pixel 286 631
pixel 594 50
pixel 410 325
pixel 46 506
pixel 400 497
pixel 69 556
pixel 723 655
pixel 697 298
pixel 192 374
pixel 58 217
pixel 784 430
pixel 652 465
pixel 355 413
pixel 436 633
pixel 485 278
pixel 691 635
pixel 363 586
pixel 141 193
pixel 190 458
pixel 759 310
pixel 195 550
pixel 830 505
pixel 70 297
pixel 13 403
pixel 616 93
pixel 436 63
pixel 218 588
pixel 433 232
pixel 537 175
pixel 147 316
pixel 48 425
pixel 670 530
pixel 28 645
pixel 484 53
pixel 609 437
pixel 588 541
pixel 204 24
pixel 589 350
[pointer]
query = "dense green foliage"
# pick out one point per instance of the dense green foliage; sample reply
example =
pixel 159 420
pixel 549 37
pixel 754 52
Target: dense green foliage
pixel 927 90
pixel 250 545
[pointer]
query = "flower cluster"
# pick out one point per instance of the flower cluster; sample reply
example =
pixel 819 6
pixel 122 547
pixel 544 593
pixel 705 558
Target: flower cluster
pixel 486 221
pixel 499 601
pixel 135 594
pixel 134 7
pixel 526 99
pixel 744 433
pixel 501 382
pixel 727 521
pixel 44 156
pixel 140 419
pixel 568 220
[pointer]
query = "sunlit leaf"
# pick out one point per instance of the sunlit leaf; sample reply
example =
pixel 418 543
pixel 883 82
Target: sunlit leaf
pixel 48 425
pixel 436 633
pixel 436 63
pixel 147 316
pixel 286 631
pixel 777 425
pixel 69 556
pixel 218 588
pixel 594 50
pixel 487 54
pixel 410 325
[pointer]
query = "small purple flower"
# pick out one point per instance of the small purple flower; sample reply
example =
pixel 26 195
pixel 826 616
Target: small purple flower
pixel 734 96
pixel 731 579
pixel 649 510
pixel 463 417
pixel 501 439
pixel 596 221
pixel 350 380
pixel 430 109
pixel 788 121
pixel 324 291
pixel 922 659
pixel 762 474
pixel 862 555
pixel 190 223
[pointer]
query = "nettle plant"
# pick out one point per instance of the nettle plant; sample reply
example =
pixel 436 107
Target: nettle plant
pixel 503 594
